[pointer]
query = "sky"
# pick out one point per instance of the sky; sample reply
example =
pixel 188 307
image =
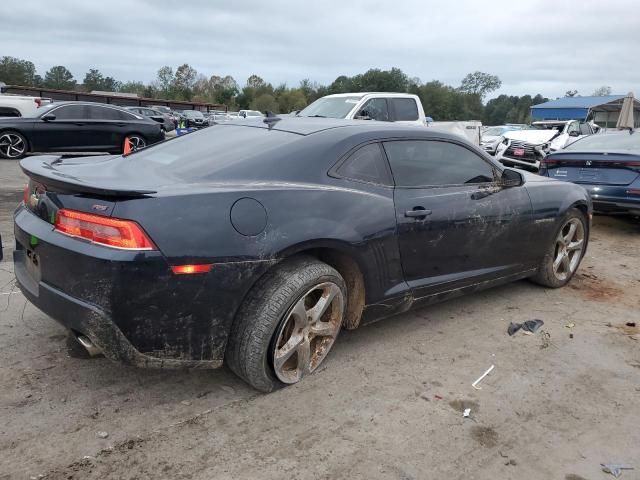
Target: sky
pixel 534 46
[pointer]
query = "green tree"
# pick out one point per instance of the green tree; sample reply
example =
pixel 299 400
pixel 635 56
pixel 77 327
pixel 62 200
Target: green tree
pixel 133 87
pixel 164 81
pixel 94 80
pixel 265 102
pixel 602 91
pixel 184 81
pixel 60 78
pixel 480 83
pixel 15 71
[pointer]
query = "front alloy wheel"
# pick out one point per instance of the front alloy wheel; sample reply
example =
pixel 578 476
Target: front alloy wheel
pixel 12 145
pixel 568 250
pixel 565 251
pixel 308 332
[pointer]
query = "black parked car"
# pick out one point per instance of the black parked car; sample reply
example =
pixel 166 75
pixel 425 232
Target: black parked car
pixel 607 165
pixel 164 119
pixel 194 119
pixel 76 127
pixel 261 252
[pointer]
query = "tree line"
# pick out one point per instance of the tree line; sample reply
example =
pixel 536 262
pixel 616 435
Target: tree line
pixel 441 102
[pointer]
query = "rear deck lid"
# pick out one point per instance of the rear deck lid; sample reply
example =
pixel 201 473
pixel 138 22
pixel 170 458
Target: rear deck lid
pixel 593 168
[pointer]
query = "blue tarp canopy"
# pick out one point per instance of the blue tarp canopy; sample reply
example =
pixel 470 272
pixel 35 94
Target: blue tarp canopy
pixel 574 108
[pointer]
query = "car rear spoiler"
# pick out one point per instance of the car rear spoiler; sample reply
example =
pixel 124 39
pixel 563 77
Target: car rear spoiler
pixel 44 169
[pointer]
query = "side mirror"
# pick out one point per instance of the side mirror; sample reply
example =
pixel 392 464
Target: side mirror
pixel 48 117
pixel 511 178
pixel 574 134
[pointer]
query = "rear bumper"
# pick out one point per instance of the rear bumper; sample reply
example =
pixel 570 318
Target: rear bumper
pixel 129 304
pixel 84 318
pixel 607 198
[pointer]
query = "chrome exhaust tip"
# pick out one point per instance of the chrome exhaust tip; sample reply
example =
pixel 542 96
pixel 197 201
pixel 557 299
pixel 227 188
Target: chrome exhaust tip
pixel 89 346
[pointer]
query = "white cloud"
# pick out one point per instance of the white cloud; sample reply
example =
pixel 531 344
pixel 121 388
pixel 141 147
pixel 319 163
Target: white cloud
pixel 535 46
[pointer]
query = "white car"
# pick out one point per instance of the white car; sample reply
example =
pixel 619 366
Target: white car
pixel 526 148
pixel 20 106
pixel 250 114
pixel 492 136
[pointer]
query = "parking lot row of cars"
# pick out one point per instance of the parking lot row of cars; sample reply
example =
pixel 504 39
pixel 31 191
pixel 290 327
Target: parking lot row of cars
pixel 606 164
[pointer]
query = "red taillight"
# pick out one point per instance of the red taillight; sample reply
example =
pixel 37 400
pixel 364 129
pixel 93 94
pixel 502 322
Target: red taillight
pixel 38 101
pixel 633 191
pixel 112 232
pixel 188 269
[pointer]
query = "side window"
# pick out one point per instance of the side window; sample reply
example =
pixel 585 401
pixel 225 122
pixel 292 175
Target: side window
pixel 585 129
pixel 434 163
pixel 573 127
pixel 375 109
pixel 71 112
pixel 367 165
pixel 405 109
pixel 106 113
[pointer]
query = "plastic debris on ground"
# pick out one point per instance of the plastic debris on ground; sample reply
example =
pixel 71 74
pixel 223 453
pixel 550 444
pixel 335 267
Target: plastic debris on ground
pixel 466 413
pixel 475 384
pixel 529 327
pixel 615 469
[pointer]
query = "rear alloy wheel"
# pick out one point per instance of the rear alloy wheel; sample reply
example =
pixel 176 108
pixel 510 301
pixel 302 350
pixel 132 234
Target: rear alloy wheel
pixel 308 332
pixel 12 145
pixel 566 253
pixel 287 324
pixel 136 142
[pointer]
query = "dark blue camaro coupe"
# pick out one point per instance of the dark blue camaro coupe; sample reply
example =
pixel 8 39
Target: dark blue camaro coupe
pixel 255 243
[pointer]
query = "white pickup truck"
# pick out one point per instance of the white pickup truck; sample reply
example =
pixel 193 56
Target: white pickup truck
pixel 386 107
pixel 20 106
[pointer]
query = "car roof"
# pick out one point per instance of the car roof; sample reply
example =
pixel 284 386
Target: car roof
pixel 362 94
pixel 311 125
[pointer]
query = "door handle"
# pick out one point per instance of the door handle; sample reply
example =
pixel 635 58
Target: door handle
pixel 120 124
pixel 417 212
pixel 80 124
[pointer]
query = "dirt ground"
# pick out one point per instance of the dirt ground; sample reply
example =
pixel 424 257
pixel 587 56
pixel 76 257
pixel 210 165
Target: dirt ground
pixel 387 404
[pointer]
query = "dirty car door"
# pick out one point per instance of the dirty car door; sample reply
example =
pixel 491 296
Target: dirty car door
pixel 457 225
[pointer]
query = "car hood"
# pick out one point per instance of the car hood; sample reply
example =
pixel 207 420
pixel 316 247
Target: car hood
pixel 489 138
pixel 534 137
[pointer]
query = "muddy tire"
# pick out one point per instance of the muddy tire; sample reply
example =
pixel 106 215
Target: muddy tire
pixel 565 251
pixel 287 324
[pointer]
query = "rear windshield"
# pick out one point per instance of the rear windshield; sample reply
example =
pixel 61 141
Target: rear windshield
pixel 622 142
pixel 193 114
pixel 212 151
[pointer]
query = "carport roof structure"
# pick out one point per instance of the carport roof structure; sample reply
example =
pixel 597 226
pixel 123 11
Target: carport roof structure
pixel 578 108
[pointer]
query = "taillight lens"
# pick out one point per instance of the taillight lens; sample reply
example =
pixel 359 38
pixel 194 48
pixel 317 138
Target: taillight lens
pixel 190 269
pixel 38 102
pixel 111 232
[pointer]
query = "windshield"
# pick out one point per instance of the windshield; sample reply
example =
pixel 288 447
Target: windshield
pixel 193 114
pixel 331 107
pixel 548 126
pixel 608 142
pixel 496 131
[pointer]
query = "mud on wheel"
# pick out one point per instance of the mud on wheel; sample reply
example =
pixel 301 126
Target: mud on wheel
pixel 288 324
pixel 566 251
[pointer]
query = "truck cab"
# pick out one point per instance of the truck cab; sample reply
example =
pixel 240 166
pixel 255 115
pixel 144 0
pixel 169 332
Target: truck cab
pixel 383 107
